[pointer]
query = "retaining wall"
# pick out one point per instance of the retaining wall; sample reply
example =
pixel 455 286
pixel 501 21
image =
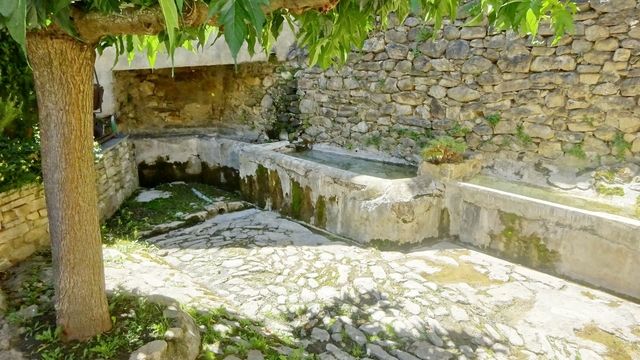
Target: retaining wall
pixel 24 227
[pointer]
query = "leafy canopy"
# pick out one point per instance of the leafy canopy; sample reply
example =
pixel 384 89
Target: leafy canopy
pixel 328 35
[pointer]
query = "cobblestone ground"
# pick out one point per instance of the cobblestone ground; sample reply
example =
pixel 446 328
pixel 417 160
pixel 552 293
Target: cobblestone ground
pixel 343 301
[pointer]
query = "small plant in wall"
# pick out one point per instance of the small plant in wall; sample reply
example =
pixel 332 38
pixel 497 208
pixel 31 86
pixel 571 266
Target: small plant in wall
pixel 444 160
pixel 577 151
pixel 493 119
pixel 444 150
pixel 620 146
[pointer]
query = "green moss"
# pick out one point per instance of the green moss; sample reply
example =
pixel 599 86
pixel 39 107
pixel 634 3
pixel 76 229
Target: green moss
pixel 527 249
pixel 607 175
pixel 301 205
pixel 609 190
pixel 320 213
pixel 616 348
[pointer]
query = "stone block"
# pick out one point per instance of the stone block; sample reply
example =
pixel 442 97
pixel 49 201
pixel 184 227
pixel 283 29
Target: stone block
pixel 463 94
pixel 457 49
pixel 539 131
pixel 596 32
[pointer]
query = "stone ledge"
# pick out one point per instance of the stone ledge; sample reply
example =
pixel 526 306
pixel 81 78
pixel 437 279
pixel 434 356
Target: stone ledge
pixel 181 340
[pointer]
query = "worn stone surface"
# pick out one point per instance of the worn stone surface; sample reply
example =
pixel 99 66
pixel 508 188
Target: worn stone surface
pixel 409 313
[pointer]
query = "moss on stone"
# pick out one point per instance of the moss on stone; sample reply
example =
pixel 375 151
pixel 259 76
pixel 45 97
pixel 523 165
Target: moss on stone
pixel 301 205
pixel 527 249
pixel 463 273
pixel 616 348
pixel 609 190
pixel 320 212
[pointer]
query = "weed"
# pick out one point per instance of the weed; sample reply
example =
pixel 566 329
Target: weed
pixel 577 151
pixel 458 131
pixel 493 119
pixel 609 190
pixel 523 136
pixel 444 149
pixel 424 34
pixel 620 146
pixel 374 140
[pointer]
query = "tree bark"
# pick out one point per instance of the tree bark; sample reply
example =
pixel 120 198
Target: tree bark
pixel 63 73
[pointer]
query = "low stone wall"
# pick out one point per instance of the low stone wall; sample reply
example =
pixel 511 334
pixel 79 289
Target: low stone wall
pixel 575 101
pixel 257 100
pixel 592 247
pixel 24 227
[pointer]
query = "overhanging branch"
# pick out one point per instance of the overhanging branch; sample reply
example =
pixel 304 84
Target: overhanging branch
pixel 92 26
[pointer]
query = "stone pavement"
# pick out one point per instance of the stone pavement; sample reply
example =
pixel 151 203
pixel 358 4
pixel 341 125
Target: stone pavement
pixel 343 301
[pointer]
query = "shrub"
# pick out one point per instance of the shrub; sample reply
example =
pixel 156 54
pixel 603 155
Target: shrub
pixel 18 108
pixel 19 162
pixel 444 150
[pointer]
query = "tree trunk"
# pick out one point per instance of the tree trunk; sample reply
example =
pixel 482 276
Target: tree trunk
pixel 63 73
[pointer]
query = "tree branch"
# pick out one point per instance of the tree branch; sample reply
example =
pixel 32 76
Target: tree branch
pixel 92 26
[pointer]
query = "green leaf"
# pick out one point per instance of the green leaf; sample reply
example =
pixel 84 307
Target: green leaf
pixel 171 21
pixel 7 7
pixel 255 12
pixel 17 24
pixel 235 29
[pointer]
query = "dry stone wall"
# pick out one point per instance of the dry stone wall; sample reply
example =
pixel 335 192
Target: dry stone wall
pixel 256 100
pixel 24 227
pixel 576 100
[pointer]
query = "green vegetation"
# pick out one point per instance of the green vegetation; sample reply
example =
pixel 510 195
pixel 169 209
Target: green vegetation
pixel 458 131
pixel 374 140
pixel 18 108
pixel 577 151
pixel 19 162
pixel 606 175
pixel 528 249
pixel 524 138
pixel 637 209
pixel 620 146
pixel 134 217
pixel 616 347
pixel 135 322
pixel 609 190
pixel 425 34
pixel 444 149
pixel 493 119
pixel 232 335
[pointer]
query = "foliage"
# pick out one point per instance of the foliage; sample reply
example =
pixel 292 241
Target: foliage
pixel 523 136
pixel 577 151
pixel 136 321
pixel 18 108
pixel 458 131
pixel 425 34
pixel 444 150
pixel 329 35
pixel 493 119
pixel 19 162
pixel 620 146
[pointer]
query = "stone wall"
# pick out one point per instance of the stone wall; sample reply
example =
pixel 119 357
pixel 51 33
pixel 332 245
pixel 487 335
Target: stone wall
pixel 573 101
pixel 24 227
pixel 255 100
